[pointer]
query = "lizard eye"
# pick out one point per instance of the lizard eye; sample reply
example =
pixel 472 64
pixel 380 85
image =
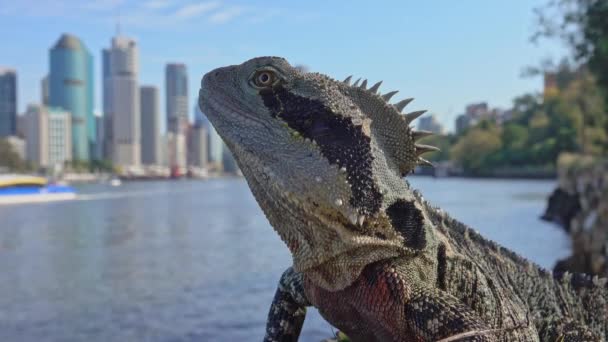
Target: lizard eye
pixel 264 78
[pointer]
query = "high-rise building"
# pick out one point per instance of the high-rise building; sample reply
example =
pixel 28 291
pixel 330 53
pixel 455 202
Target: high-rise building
pixel 44 90
pixel 176 87
pixel 108 138
pixel 197 147
pixel 431 124
pixel 150 116
pixel 164 149
pixel 215 144
pixel 121 101
pixel 477 111
pixel 462 123
pixel 48 132
pixel 100 129
pixel 60 137
pixel 21 125
pixel 176 149
pixel 8 102
pixel 36 135
pixel 71 88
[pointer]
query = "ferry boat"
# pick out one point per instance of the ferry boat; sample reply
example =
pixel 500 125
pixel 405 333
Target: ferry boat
pixel 16 189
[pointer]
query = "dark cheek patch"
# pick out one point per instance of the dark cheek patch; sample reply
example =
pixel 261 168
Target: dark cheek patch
pixel 341 142
pixel 409 222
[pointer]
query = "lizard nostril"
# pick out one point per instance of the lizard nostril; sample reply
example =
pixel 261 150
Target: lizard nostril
pixel 216 73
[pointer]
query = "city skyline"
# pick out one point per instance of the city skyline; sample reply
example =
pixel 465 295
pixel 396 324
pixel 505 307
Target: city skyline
pixel 410 48
pixel 62 127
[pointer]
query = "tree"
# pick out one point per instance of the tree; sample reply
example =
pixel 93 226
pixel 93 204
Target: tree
pixel 9 158
pixel 477 150
pixel 583 25
pixel 514 141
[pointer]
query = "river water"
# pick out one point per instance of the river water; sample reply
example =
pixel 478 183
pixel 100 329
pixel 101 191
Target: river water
pixel 196 260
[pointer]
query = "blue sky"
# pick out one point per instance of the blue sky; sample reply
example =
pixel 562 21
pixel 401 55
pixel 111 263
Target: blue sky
pixel 445 54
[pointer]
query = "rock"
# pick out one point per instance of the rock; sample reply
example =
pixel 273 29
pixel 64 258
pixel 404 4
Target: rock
pixel 580 205
pixel 562 208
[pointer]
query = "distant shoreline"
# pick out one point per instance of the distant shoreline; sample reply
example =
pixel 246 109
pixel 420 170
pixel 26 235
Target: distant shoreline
pixel 493 176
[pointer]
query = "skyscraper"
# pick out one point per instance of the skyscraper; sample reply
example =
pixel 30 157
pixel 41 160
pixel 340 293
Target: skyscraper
pixel 176 85
pixel 48 134
pixel 176 150
pixel 431 124
pixel 150 112
pixel 197 149
pixel 121 100
pixel 36 135
pixel 215 144
pixel 60 137
pixel 44 90
pixel 71 88
pixel 108 137
pixel 8 102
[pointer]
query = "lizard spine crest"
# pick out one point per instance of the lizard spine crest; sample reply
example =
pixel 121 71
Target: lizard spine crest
pixel 411 156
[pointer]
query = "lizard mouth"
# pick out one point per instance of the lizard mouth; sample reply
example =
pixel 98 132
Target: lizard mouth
pixel 220 108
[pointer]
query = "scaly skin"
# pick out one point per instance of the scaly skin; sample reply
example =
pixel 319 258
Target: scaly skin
pixel 326 160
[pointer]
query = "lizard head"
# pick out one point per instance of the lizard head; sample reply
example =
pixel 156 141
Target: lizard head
pixel 322 157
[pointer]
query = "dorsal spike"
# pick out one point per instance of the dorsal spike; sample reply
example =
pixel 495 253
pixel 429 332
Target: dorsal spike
pixel 347 80
pixel 600 282
pixel 421 134
pixel 375 87
pixel 421 148
pixel 409 117
pixel 401 104
pixel 363 84
pixel 424 162
pixel 357 82
pixel 387 96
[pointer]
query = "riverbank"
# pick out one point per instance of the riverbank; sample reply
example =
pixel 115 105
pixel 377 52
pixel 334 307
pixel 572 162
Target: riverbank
pixel 580 206
pixel 447 169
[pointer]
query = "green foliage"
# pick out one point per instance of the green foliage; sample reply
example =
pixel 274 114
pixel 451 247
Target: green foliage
pixel 514 138
pixel 478 149
pixel 568 119
pixel 83 166
pixel 9 158
pixel 443 142
pixel 583 25
pixel 102 165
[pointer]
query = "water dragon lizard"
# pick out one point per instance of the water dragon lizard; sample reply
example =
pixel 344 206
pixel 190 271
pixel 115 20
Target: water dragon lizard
pixel 326 161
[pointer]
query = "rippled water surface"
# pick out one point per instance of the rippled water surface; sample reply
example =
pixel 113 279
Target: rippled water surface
pixel 195 260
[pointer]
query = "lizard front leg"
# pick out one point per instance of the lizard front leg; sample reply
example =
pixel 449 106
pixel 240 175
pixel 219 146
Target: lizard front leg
pixel 288 309
pixel 565 330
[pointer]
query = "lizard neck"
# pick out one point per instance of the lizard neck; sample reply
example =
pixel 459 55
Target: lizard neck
pixel 324 245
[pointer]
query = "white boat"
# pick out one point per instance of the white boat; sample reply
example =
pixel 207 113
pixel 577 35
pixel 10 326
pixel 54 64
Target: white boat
pixel 16 189
pixel 115 182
